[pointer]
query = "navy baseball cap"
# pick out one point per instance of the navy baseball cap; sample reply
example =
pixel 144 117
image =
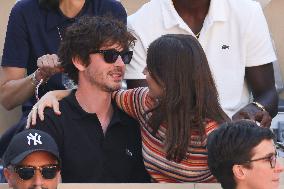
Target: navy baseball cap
pixel 27 142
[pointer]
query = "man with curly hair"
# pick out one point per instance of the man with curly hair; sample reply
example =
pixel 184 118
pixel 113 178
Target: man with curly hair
pixel 97 141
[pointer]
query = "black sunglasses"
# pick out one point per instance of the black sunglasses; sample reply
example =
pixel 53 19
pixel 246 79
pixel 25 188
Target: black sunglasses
pixel 111 55
pixel 26 172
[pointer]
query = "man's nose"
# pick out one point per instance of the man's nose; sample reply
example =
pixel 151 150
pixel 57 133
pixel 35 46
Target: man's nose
pixel 37 179
pixel 119 61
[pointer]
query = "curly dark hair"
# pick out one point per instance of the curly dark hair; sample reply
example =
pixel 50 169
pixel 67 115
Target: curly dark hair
pixel 87 34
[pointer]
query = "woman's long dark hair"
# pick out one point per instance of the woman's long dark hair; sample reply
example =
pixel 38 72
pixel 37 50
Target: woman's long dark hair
pixel 178 64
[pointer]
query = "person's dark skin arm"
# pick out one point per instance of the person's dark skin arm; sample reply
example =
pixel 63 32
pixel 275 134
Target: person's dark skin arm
pixel 260 80
pixel 134 83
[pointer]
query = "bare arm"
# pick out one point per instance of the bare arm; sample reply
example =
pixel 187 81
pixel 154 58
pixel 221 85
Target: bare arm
pixel 259 76
pixel 15 87
pixel 260 79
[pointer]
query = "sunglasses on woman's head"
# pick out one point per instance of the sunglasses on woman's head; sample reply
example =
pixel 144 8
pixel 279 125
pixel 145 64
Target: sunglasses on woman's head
pixel 111 55
pixel 27 172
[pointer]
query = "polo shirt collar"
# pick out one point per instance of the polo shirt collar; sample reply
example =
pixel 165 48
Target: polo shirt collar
pixel 80 113
pixel 55 18
pixel 169 13
pixel 217 12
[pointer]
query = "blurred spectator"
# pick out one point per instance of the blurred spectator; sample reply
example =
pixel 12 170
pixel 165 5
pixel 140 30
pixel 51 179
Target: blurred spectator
pixel 243 155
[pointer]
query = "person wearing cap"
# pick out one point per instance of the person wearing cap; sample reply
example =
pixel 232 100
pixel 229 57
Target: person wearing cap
pixel 32 161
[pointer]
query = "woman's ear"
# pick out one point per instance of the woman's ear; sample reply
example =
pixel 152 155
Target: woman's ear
pixel 78 63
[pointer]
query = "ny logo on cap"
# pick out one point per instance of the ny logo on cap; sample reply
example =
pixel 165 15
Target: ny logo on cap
pixel 35 138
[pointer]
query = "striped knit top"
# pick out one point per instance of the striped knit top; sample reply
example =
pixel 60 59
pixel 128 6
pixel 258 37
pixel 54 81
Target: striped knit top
pixel 193 168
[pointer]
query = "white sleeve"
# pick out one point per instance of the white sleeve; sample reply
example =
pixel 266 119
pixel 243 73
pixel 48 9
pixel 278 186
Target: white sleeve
pixel 138 63
pixel 258 42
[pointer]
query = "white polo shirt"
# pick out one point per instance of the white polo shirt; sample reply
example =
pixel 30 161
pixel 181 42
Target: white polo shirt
pixel 234 36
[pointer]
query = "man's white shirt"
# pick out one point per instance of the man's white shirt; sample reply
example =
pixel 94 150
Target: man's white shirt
pixel 234 36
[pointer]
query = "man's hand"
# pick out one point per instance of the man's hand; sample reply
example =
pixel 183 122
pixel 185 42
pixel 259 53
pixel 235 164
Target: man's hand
pixel 48 65
pixel 254 113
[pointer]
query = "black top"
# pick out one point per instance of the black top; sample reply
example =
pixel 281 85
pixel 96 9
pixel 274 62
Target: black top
pixel 89 156
pixel 34 31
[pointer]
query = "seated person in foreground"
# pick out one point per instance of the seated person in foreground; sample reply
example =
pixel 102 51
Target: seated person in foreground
pixel 242 155
pixel 32 161
pixel 97 141
pixel 176 112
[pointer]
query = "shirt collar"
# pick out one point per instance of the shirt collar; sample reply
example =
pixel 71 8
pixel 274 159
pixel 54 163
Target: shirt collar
pixel 217 12
pixel 55 18
pixel 117 117
pixel 169 13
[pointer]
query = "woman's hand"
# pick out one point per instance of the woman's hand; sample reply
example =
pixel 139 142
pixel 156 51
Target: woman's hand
pixel 50 99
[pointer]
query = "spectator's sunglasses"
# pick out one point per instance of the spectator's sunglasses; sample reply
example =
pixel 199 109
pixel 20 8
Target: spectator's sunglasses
pixel 111 55
pixel 27 172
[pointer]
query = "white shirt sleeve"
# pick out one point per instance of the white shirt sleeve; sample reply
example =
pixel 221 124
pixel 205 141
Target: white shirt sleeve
pixel 259 49
pixel 138 63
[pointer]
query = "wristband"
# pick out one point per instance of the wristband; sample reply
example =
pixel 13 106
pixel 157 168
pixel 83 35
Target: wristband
pixel 35 82
pixel 259 106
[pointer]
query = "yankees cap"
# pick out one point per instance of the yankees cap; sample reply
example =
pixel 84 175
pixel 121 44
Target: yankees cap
pixel 27 142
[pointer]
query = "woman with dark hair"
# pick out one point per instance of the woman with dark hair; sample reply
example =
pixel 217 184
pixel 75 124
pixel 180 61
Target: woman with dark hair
pixel 177 110
pixel 34 31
